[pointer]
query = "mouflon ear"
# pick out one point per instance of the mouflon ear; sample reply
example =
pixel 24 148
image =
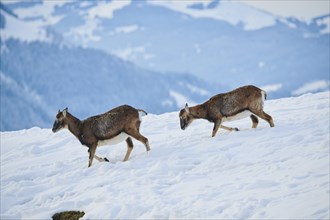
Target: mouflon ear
pixel 65 111
pixel 186 108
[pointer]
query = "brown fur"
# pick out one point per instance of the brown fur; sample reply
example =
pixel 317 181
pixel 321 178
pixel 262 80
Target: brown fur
pixel 226 105
pixel 103 127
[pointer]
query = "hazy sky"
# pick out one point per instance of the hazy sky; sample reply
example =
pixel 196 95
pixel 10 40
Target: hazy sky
pixel 303 9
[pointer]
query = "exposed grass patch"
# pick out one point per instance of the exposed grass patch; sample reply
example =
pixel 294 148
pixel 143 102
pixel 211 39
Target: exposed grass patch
pixel 68 215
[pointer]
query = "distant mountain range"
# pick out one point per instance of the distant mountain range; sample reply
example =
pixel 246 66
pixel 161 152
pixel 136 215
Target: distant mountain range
pixel 65 54
pixel 38 78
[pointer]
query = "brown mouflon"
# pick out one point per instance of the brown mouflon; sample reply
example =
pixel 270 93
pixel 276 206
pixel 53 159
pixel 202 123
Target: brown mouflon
pixel 237 104
pixel 119 124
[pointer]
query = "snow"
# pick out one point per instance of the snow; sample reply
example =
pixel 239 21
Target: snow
pixel 29 95
pixel 263 173
pixel 195 89
pixel 326 23
pixel 82 34
pixel 85 33
pixel 288 23
pixel 272 87
pixel 180 99
pixel 44 10
pixel 133 52
pixel 126 29
pixel 233 12
pixel 302 10
pixel 15 28
pixel 312 87
pixel 106 9
pixel 33 30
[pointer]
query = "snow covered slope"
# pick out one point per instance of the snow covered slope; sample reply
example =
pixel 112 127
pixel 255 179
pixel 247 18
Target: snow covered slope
pixel 263 173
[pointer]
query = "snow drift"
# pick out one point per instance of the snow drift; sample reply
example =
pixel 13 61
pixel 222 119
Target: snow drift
pixel 269 173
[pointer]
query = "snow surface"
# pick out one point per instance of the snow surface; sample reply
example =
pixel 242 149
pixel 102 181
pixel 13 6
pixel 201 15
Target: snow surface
pixel 302 10
pixel 312 87
pixel 272 87
pixel 263 173
pixel 106 9
pixel 230 11
pixel 15 28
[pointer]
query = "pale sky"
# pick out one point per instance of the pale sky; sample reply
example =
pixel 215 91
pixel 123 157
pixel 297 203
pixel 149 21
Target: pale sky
pixel 303 9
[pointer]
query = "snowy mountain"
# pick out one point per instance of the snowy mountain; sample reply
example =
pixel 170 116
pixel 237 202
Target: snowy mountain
pixel 40 73
pixel 262 173
pixel 223 41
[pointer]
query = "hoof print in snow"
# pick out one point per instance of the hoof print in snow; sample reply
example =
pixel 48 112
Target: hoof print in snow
pixel 68 215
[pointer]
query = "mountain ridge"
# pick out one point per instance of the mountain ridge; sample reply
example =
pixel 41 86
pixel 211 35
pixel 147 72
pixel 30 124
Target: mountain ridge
pixel 87 81
pixel 286 57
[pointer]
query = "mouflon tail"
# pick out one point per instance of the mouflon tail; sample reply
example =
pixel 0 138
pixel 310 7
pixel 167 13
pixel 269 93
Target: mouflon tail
pixel 142 113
